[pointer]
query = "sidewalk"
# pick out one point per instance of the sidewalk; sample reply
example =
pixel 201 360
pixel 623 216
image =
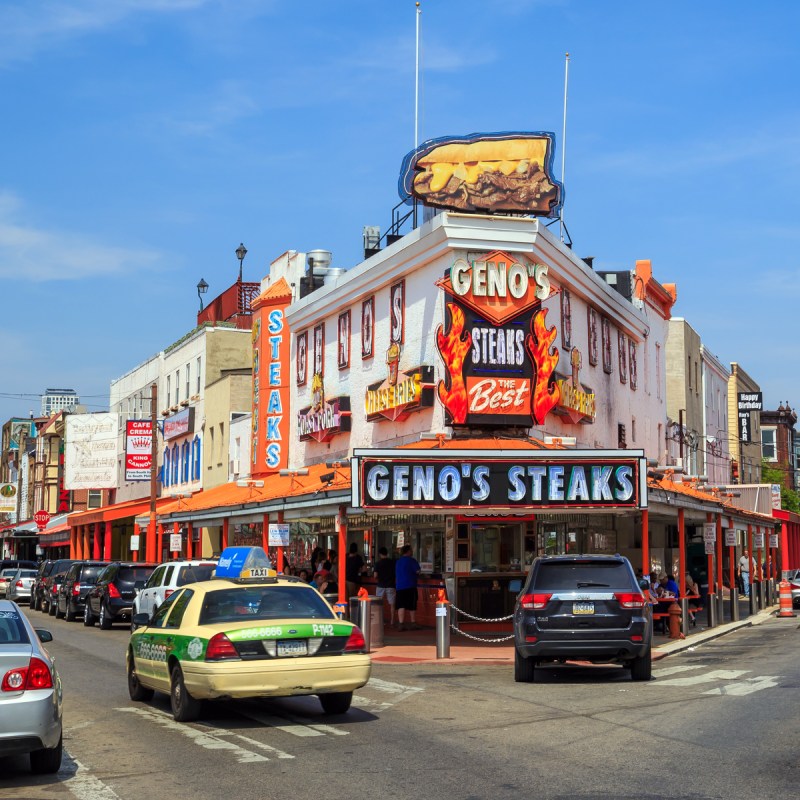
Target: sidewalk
pixel 419 647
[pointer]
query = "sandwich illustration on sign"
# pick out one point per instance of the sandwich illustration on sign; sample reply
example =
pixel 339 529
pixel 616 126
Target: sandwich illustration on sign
pixel 502 173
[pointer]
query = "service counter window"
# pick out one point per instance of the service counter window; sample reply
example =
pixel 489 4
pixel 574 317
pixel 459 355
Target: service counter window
pixel 428 547
pixel 558 538
pixel 495 547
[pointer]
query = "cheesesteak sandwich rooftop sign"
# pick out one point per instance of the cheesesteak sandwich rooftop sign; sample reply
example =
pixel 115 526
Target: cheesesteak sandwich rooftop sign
pixel 501 480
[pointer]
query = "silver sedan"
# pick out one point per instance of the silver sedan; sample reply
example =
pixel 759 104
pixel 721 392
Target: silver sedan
pixel 30 692
pixel 20 586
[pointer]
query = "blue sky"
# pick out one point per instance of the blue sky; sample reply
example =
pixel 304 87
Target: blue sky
pixel 142 140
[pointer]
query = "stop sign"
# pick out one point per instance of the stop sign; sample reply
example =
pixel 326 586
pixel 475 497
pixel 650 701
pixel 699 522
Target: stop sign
pixel 41 518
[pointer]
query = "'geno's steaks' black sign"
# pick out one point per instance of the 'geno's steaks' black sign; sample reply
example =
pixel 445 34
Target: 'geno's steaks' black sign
pixel 494 483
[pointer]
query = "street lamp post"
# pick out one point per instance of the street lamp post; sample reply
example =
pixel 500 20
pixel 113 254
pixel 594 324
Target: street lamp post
pixel 241 252
pixel 202 288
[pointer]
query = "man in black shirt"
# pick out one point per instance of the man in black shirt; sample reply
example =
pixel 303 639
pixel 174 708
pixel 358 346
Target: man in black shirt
pixel 385 573
pixel 353 569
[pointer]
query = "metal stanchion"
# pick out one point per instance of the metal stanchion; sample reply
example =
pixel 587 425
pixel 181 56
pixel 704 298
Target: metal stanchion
pixel 734 605
pixel 365 620
pixel 773 599
pixel 442 629
pixel 720 608
pixel 711 603
pixel 760 595
pixel 753 599
pixel 685 616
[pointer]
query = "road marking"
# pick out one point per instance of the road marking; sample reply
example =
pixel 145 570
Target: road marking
pixel 81 784
pixel 204 739
pixel 662 673
pixel 283 724
pixel 714 675
pixel 748 686
pixel 398 690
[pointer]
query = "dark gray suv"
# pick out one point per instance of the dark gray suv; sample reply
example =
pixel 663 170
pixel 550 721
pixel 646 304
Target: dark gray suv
pixel 587 608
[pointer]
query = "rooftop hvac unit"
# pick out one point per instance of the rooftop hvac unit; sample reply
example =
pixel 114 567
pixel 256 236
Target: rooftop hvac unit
pixel 372 240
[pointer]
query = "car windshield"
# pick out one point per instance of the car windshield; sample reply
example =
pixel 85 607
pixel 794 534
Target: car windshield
pixel 12 631
pixel 251 603
pixel 7 573
pixel 198 572
pixel 581 574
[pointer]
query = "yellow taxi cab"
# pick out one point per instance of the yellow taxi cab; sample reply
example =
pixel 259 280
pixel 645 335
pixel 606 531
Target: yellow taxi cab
pixel 247 632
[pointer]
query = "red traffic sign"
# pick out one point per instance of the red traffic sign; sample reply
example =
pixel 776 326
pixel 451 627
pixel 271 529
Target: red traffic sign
pixel 41 518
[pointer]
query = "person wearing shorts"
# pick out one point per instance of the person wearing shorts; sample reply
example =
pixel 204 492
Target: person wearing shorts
pixel 406 571
pixel 384 572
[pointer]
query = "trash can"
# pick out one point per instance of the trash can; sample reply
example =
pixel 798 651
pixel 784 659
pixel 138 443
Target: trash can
pixel 375 619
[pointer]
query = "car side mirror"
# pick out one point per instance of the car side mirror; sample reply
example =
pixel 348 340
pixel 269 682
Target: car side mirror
pixel 44 636
pixel 141 620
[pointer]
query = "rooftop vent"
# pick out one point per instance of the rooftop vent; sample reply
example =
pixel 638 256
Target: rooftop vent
pixel 372 240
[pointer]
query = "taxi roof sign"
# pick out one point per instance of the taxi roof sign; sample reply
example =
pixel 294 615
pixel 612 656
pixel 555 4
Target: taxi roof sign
pixel 244 562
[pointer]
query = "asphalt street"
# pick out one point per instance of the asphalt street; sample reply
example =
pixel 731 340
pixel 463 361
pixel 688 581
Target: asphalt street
pixel 717 721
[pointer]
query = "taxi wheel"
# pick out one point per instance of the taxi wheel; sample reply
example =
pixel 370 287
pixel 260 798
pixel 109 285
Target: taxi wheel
pixel 336 703
pixel 137 692
pixel 184 707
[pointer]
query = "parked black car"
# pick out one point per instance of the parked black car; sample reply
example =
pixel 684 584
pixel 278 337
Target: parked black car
pixel 38 585
pixel 52 582
pixel 80 577
pixel 111 598
pixel 582 607
pixel 15 562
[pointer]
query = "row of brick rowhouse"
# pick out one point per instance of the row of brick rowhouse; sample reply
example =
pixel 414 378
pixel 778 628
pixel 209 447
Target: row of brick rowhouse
pixel 475 390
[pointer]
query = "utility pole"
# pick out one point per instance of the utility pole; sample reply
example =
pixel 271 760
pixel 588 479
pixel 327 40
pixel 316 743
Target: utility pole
pixel 150 541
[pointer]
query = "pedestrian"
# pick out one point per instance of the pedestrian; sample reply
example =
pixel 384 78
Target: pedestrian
pixel 744 572
pixel 353 570
pixel 406 571
pixel 385 573
pixel 317 557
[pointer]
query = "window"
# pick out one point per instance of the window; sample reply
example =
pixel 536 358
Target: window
pixel 185 459
pixel 180 605
pixel 198 374
pixel 95 499
pixel 658 371
pixel 188 390
pixel 222 453
pixel 769 445
pixel 196 459
pixel 166 476
pixel 169 388
pixel 177 386
pixel 605 330
pixel 175 464
pixel 689 373
pixel 633 429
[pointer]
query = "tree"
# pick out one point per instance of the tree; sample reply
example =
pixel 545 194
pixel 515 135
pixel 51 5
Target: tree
pixel 790 499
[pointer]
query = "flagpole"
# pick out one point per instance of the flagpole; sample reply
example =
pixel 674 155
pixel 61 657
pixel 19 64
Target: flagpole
pixel 564 142
pixel 416 83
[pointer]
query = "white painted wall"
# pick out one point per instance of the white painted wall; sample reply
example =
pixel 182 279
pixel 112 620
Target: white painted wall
pixel 421 258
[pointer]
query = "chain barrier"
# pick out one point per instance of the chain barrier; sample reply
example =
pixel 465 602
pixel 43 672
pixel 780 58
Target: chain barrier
pixel 493 639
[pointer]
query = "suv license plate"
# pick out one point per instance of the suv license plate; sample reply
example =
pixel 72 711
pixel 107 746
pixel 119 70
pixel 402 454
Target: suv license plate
pixel 583 608
pixel 293 647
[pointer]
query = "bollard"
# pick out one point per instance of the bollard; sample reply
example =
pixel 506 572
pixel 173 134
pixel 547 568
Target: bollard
pixel 734 605
pixel 442 627
pixel 720 608
pixel 684 617
pixel 772 594
pixel 753 600
pixel 675 622
pixel 711 610
pixel 761 603
pixel 365 621
pixel 786 600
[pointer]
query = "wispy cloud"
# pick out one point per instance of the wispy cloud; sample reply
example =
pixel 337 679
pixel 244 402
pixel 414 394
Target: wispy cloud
pixel 35 25
pixel 223 106
pixel 37 254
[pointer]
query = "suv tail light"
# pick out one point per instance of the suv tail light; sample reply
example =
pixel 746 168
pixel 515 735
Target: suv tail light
pixel 355 643
pixel 220 647
pixel 113 592
pixel 35 676
pixel 630 599
pixel 76 589
pixel 168 592
pixel 535 601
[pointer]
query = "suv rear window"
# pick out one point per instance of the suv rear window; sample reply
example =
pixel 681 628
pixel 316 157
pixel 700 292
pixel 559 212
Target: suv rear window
pixel 581 575
pixel 198 572
pixel 89 574
pixel 134 574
